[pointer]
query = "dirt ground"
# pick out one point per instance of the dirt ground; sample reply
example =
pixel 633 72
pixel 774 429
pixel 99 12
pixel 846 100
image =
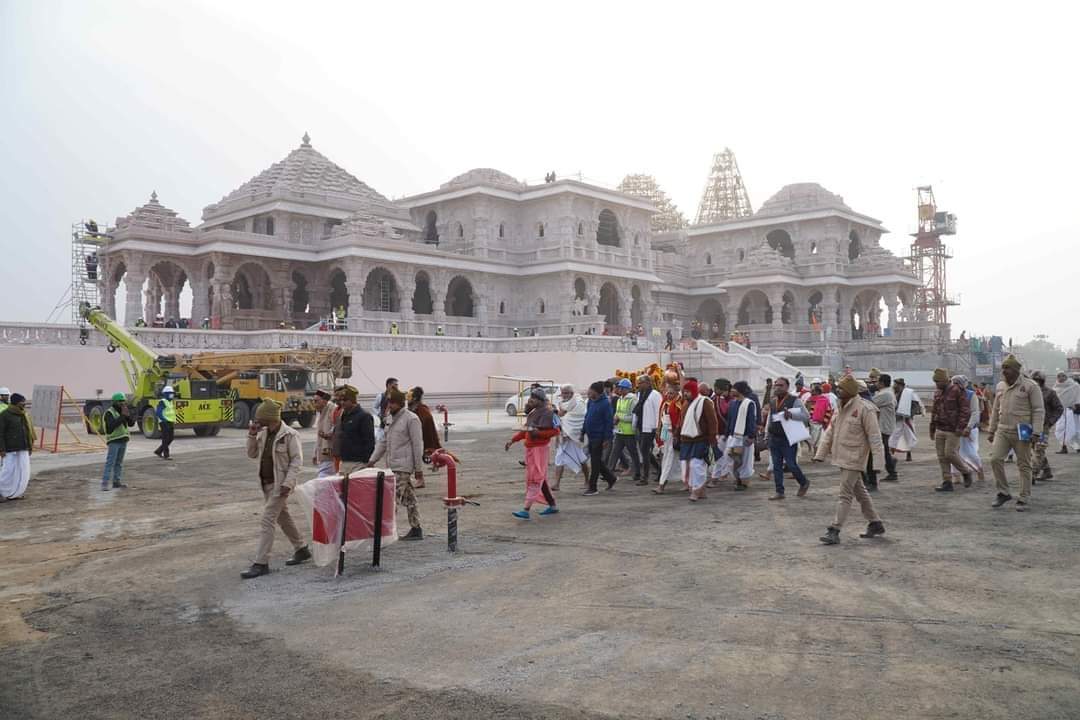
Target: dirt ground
pixel 129 604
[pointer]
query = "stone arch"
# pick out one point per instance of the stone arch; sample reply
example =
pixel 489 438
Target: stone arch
pixel 251 287
pixel 855 246
pixel 339 291
pixel 755 309
pixel 381 291
pixel 712 318
pixel 813 311
pixel 301 296
pixel 459 298
pixel 607 229
pixel 780 241
pixel 431 229
pixel 866 314
pixel 171 290
pixel 609 304
pixel 422 304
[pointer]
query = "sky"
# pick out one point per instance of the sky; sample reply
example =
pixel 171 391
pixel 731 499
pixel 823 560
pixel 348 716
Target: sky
pixel 105 102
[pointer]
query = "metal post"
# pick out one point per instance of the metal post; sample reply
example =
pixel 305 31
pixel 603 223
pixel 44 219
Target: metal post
pixel 376 551
pixel 344 524
pixel 451 529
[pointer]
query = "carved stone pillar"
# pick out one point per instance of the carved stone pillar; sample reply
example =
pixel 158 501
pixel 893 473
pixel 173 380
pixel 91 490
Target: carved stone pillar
pixel 172 304
pixel 133 302
pixel 354 314
pixel 625 318
pixel 319 300
pixel 408 289
pixel 776 301
pixel 438 299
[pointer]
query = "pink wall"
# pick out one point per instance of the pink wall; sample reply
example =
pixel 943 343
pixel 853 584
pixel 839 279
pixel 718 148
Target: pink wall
pixel 84 370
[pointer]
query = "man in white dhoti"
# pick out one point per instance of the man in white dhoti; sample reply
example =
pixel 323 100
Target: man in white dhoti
pixel 969 444
pixel 16 446
pixel 904 439
pixel 571 452
pixel 1067 430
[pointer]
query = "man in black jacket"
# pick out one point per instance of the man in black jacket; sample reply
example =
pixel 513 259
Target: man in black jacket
pixel 355 430
pixel 16 446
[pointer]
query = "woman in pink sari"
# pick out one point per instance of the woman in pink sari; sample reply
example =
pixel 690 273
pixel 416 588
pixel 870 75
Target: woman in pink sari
pixel 539 429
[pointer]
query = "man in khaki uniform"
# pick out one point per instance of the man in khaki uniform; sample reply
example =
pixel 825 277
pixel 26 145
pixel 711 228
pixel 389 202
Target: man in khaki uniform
pixel 277 448
pixel 853 436
pixel 324 433
pixel 1018 400
pixel 403 445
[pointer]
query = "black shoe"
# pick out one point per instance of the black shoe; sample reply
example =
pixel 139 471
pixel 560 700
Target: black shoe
pixel 611 485
pixel 1021 506
pixel 1063 451
pixel 1001 500
pixel 945 486
pixel 891 477
pixel 967 480
pixel 300 556
pixel 413 534
pixel 908 457
pixel 874 528
pixel 871 487
pixel 119 485
pixel 255 571
pixel 590 493
pixel 831 536
pixel 158 452
pixel 1047 475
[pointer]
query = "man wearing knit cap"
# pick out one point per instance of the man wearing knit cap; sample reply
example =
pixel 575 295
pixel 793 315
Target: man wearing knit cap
pixel 852 437
pixel 354 435
pixel 1053 410
pixel 1018 405
pixel 948 426
pixel 403 446
pixel 277 448
pixel 16 446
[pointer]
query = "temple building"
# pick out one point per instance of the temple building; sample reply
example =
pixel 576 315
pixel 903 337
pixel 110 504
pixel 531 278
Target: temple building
pixel 486 254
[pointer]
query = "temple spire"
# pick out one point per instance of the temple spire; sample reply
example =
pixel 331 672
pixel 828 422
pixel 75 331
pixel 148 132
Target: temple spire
pixel 305 141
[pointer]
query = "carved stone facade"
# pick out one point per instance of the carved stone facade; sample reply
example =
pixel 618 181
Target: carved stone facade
pixel 487 255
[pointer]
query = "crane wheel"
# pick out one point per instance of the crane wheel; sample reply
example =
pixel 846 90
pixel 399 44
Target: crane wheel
pixel 110 347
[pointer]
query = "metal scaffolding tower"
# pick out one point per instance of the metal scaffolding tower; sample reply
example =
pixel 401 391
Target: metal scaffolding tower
pixel 668 216
pixel 725 195
pixel 86 241
pixel 928 259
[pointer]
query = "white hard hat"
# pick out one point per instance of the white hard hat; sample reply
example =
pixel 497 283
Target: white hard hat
pixel 167 389
pixel 4 391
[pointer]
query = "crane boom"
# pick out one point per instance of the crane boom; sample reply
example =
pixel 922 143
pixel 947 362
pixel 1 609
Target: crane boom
pixel 143 357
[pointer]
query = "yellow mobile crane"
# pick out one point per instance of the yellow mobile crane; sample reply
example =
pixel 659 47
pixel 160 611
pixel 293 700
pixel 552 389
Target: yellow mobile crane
pixel 288 376
pixel 228 385
pixel 200 403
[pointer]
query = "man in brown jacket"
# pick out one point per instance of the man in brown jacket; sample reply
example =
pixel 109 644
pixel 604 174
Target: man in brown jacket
pixel 1019 401
pixel 324 433
pixel 853 436
pixel 403 445
pixel 948 426
pixel 277 448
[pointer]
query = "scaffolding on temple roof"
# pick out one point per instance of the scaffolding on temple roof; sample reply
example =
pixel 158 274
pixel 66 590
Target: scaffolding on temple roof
pixel 725 196
pixel 668 217
pixel 86 241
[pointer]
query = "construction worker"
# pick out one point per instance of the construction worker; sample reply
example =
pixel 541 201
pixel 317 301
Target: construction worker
pixel 5 398
pixel 117 419
pixel 277 448
pixel 393 328
pixel 439 331
pixel 166 417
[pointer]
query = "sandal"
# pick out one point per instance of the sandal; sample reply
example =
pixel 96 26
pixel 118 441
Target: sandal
pixel 658 490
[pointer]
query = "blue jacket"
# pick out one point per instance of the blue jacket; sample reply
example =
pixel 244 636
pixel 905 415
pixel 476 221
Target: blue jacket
pixel 599 419
pixel 751 416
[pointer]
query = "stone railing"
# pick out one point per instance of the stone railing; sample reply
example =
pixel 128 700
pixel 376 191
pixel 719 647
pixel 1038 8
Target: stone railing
pixel 68 335
pixel 770 363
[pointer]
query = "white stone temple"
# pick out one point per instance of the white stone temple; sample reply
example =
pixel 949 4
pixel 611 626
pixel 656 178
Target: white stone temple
pixel 485 254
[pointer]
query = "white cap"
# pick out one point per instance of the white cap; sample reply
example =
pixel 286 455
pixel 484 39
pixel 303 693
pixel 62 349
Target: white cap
pixel 167 389
pixel 4 391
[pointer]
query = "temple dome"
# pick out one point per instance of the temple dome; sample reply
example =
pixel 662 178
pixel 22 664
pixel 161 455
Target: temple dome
pixel 801 197
pixel 304 170
pixel 484 176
